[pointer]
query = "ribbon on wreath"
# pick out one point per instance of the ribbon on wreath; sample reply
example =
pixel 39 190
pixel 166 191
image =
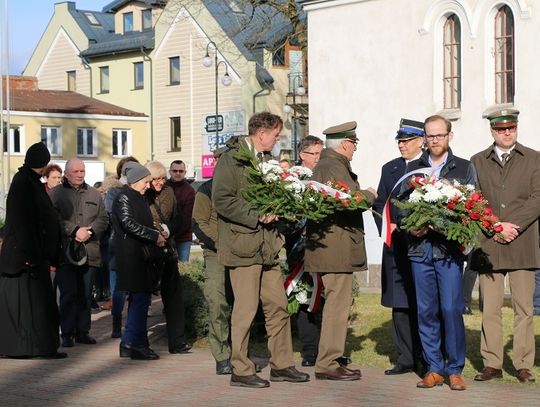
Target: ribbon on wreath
pixel 386 232
pixel 295 276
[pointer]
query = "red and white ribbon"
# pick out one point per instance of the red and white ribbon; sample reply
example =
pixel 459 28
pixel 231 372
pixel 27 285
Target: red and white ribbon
pixel 386 233
pixel 295 276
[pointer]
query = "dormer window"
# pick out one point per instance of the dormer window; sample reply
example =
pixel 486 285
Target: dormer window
pixel 147 19
pixel 128 22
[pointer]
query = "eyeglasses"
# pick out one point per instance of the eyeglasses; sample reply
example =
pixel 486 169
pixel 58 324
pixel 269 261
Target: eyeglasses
pixel 160 179
pixel 511 129
pixel 311 153
pixel 353 142
pixel 438 137
pixel 178 171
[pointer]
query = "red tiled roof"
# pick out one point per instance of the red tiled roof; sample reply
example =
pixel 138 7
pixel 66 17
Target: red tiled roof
pixel 55 101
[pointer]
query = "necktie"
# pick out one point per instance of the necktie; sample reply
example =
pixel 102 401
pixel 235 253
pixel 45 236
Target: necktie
pixel 504 158
pixel 260 157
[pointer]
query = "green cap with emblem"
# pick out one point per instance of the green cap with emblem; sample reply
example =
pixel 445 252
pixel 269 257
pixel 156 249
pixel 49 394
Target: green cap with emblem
pixel 502 118
pixel 341 131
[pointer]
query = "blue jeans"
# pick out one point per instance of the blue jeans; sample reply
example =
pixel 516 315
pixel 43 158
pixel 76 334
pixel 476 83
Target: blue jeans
pixel 183 249
pixel 536 298
pixel 135 333
pixel 439 296
pixel 118 297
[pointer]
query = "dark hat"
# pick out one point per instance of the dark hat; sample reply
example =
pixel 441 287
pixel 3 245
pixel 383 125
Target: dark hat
pixel 76 253
pixel 503 118
pixel 341 131
pixel 37 156
pixel 409 129
pixel 134 172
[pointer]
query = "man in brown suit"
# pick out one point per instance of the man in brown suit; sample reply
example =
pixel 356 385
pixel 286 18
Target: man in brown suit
pixel 249 245
pixel 509 177
pixel 335 248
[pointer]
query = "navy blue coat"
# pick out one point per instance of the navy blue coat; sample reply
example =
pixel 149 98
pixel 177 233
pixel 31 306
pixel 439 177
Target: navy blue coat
pixel 396 278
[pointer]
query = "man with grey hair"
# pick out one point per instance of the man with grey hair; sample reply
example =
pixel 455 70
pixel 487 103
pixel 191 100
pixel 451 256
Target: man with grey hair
pixel 84 220
pixel 335 248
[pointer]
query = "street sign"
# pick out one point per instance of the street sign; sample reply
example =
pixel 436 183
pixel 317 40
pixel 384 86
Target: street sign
pixel 211 123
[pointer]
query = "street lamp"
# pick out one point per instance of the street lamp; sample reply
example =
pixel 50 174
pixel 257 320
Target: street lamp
pixel 226 80
pixel 298 89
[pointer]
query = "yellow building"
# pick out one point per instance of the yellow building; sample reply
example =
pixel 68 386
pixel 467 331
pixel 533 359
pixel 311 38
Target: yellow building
pixel 148 56
pixel 71 125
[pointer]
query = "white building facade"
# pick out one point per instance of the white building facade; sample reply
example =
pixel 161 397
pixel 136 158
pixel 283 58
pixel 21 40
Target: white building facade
pixel 376 61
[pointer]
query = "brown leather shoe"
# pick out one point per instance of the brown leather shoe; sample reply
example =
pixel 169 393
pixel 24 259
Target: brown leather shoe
pixel 252 381
pixel 456 382
pixel 488 373
pixel 525 376
pixel 430 380
pixel 338 374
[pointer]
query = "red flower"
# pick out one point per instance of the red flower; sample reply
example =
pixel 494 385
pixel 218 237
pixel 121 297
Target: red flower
pixel 488 211
pixel 358 197
pixel 475 196
pixel 474 215
pixel 469 204
pixel 337 195
pixel 451 205
pixel 497 228
pixel 486 224
pixel 346 202
pixel 342 186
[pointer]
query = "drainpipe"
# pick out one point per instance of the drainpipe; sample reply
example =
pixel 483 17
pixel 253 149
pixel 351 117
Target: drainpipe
pixel 146 57
pixel 259 94
pixel 86 65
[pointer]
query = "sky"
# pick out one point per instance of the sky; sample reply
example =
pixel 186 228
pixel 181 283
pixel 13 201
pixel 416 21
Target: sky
pixel 27 22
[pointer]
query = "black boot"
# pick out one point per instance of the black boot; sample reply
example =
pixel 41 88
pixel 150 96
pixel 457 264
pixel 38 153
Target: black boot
pixel 116 326
pixel 143 353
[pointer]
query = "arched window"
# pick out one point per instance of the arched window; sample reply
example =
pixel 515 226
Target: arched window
pixel 504 56
pixel 452 62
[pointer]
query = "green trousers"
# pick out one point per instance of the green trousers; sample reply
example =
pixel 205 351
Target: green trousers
pixel 218 297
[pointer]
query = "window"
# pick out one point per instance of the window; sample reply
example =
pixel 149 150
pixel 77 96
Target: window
pixel 174 71
pixel 452 62
pixel 504 56
pixel 128 22
pixel 278 57
pixel 52 138
pixel 71 81
pixel 91 18
pixel 104 79
pixel 138 75
pixel 86 142
pixel 16 139
pixel 147 19
pixel 176 134
pixel 121 142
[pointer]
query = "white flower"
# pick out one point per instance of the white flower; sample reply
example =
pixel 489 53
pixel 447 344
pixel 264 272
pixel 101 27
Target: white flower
pixel 301 172
pixel 416 196
pixel 302 297
pixel 432 193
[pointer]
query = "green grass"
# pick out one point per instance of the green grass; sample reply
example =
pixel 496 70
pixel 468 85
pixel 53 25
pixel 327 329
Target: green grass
pixel 369 340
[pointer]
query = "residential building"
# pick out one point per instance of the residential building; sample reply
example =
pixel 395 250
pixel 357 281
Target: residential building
pixel 71 125
pixel 388 59
pixel 147 56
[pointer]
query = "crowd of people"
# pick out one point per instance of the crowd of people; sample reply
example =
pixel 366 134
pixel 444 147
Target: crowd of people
pixel 140 223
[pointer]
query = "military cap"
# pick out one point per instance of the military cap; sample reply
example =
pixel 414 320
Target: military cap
pixel 409 129
pixel 341 131
pixel 503 118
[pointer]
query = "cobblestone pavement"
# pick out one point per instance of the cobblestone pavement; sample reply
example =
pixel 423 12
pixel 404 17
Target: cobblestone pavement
pixel 94 375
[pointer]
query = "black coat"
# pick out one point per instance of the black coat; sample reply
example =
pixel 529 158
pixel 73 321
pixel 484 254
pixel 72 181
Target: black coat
pixel 133 229
pixel 396 278
pixel 28 312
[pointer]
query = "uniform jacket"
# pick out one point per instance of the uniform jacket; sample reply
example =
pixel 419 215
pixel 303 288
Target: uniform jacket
pixel 32 229
pixel 242 240
pixel 81 207
pixel 456 168
pixel 133 228
pixel 513 191
pixel 185 197
pixel 336 244
pixel 396 276
pixel 205 219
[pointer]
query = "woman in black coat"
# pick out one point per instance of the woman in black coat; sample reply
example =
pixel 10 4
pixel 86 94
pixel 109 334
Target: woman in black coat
pixel 133 233
pixel 28 310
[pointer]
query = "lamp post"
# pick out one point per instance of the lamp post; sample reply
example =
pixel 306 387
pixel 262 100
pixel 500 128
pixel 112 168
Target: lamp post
pixel 298 89
pixel 226 80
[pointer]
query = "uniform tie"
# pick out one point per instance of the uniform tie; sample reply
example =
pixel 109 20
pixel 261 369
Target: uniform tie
pixel 504 158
